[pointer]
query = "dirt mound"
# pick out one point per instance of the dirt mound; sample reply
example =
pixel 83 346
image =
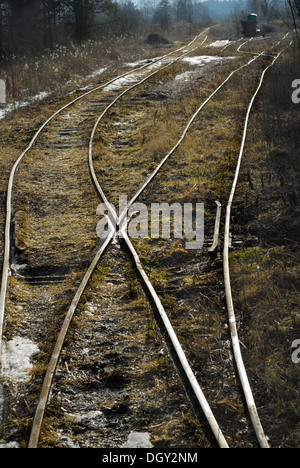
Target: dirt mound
pixel 155 39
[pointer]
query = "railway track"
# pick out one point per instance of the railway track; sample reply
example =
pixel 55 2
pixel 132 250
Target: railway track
pixel 121 222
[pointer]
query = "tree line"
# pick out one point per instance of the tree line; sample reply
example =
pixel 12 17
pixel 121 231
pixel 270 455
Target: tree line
pixel 35 25
pixel 32 26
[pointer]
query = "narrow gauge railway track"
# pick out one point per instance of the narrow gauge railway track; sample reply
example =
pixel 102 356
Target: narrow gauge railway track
pixel 6 265
pixel 53 364
pixel 229 298
pixel 66 125
pixel 233 327
pixel 201 398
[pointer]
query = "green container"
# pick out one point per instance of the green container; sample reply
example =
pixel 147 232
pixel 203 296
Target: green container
pixel 252 17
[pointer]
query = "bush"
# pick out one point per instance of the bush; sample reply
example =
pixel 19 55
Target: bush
pixel 155 39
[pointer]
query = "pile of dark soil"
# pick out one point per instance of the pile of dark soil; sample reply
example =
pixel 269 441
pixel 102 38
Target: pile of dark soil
pixel 155 39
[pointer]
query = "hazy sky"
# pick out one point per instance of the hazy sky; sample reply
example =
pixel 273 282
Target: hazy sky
pixel 151 2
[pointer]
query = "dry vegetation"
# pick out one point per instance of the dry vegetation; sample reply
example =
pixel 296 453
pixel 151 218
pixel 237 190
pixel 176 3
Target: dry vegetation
pixel 67 67
pixel 189 285
pixel 266 278
pixel 128 146
pixel 120 371
pixel 267 299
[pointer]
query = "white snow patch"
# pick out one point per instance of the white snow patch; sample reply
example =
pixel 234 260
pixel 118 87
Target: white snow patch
pixel 19 104
pixel 223 43
pixel 133 78
pixel 70 443
pixel 16 359
pixel 138 440
pixel 97 72
pixel 142 62
pixel 186 76
pixel 85 88
pixel 9 445
pixel 124 81
pixel 91 415
pixel 205 59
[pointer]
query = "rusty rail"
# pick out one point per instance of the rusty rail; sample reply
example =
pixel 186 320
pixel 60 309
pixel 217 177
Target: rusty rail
pixel 119 222
pixel 215 244
pixel 262 439
pixel 57 350
pixel 7 234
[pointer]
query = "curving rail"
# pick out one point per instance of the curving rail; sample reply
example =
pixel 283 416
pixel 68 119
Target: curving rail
pixel 120 223
pixel 229 299
pixel 7 234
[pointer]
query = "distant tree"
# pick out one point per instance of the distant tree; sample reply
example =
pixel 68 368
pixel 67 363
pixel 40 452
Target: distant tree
pixel 297 7
pixel 83 12
pixel 199 13
pixel 50 10
pixel 24 25
pixel 265 8
pixel 295 10
pixel 129 16
pixel 184 11
pixel 253 6
pixel 163 14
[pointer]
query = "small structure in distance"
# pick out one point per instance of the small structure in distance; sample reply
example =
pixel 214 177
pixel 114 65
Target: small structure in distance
pixel 250 26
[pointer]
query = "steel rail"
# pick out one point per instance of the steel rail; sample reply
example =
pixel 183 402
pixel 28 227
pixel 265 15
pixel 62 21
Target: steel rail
pixel 48 379
pixel 198 392
pixel 186 129
pixel 7 233
pixel 171 152
pixel 123 215
pixel 263 55
pixel 44 395
pixel 262 439
pixel 54 359
pixel 232 43
pixel 222 443
pixel 123 220
pixel 244 43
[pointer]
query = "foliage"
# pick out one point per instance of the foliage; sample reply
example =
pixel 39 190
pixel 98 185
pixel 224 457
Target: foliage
pixel 296 5
pixel 162 14
pixel 38 25
pixel 29 27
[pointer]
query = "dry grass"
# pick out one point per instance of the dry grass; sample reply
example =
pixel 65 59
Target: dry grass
pixel 146 135
pixel 268 301
pixel 190 287
pixel 62 67
pixel 266 278
pixel 69 66
pixel 123 332
pixel 50 212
